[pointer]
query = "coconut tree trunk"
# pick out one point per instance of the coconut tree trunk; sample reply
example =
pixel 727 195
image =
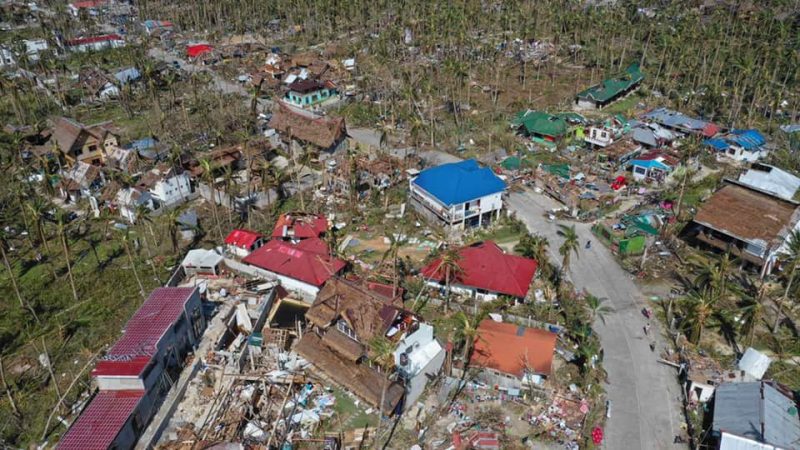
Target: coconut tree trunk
pixel 65 246
pixel 780 302
pixel 22 303
pixel 133 267
pixel 11 401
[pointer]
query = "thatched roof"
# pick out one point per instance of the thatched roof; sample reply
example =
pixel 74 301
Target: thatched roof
pixel 323 132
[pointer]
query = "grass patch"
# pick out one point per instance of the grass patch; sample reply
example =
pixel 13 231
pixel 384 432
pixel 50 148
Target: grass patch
pixel 350 415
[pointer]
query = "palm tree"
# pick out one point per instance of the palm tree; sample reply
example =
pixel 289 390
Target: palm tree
pixel 208 177
pixel 396 242
pixel 535 247
pixel 449 263
pixel 689 151
pixel 172 223
pixel 752 308
pixel 569 246
pixel 126 245
pixel 382 355
pixel 12 275
pixel 596 308
pixel 700 306
pixel 465 331
pixel 38 210
pixel 791 262
pixel 62 233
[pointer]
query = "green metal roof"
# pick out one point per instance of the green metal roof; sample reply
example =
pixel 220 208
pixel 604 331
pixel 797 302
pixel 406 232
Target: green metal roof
pixel 560 170
pixel 511 163
pixel 612 87
pixel 541 123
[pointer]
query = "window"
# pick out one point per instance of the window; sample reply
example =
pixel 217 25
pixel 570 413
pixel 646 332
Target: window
pixel 342 326
pixel 93 148
pixel 640 170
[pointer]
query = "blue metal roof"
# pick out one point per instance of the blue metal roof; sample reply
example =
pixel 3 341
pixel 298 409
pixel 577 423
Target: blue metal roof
pixel 747 139
pixel 459 182
pixel 650 164
pixel 718 144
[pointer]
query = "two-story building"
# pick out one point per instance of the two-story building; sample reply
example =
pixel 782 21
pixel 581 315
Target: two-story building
pixel 344 318
pixel 458 195
pixel 90 144
pixel 748 222
pixel 310 93
pixel 135 375
pixel 419 358
pixel 168 186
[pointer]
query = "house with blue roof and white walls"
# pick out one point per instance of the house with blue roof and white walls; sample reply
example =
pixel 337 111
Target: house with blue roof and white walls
pixel 458 195
pixel 740 145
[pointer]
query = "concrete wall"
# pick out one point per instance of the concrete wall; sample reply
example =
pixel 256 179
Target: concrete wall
pixel 307 291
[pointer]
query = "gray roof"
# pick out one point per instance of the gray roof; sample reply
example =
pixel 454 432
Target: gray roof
pixel 675 119
pixel 757 411
pixel 771 179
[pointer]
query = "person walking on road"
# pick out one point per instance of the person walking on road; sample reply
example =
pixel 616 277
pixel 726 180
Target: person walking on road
pixel 647 329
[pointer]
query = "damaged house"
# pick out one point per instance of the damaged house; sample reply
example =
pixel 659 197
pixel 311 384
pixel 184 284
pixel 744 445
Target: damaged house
pixel 611 89
pixel 325 134
pixel 750 223
pixel 343 320
pixel 90 144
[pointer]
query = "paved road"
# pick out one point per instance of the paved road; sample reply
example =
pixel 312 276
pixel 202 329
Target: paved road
pixel 219 83
pixel 645 395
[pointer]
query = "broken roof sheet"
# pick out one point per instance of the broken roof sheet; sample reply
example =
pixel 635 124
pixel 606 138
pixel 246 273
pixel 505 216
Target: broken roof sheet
pixel 771 179
pixel 680 121
pixel 757 411
pixel 612 87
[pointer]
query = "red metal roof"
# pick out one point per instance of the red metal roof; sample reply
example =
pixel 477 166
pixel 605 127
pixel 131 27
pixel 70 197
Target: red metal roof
pixel 144 330
pixel 300 226
pixel 485 266
pixel 196 50
pixel 88 4
pixel 512 349
pixel 308 261
pixel 125 367
pixel 242 238
pixel 94 39
pixel 101 421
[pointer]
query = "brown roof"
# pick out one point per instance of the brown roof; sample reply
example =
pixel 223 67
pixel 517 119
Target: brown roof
pixel 323 132
pixel 368 313
pixel 514 349
pixel 358 378
pixel 746 213
pixel 67 131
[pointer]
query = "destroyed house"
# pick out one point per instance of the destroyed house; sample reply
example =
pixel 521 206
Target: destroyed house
pixel 344 319
pixel 611 89
pixel 324 133
pixel 751 224
pixel 485 272
pixel 541 126
pixel 678 121
pixel 136 373
pixel 739 145
pixel 90 144
pixel 299 225
pixel 458 195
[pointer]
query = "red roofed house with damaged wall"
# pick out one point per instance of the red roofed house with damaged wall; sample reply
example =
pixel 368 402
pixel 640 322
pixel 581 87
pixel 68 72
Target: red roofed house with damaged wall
pixel 298 225
pixel 302 267
pixel 486 272
pixel 243 242
pixel 137 372
pixel 512 356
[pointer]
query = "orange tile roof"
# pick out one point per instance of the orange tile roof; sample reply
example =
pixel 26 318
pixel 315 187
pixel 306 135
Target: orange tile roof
pixel 510 348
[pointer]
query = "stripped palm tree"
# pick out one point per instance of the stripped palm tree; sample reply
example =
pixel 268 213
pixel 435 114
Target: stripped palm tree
pixel 791 262
pixel 381 352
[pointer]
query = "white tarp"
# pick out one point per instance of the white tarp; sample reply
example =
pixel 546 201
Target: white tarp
pixel 754 363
